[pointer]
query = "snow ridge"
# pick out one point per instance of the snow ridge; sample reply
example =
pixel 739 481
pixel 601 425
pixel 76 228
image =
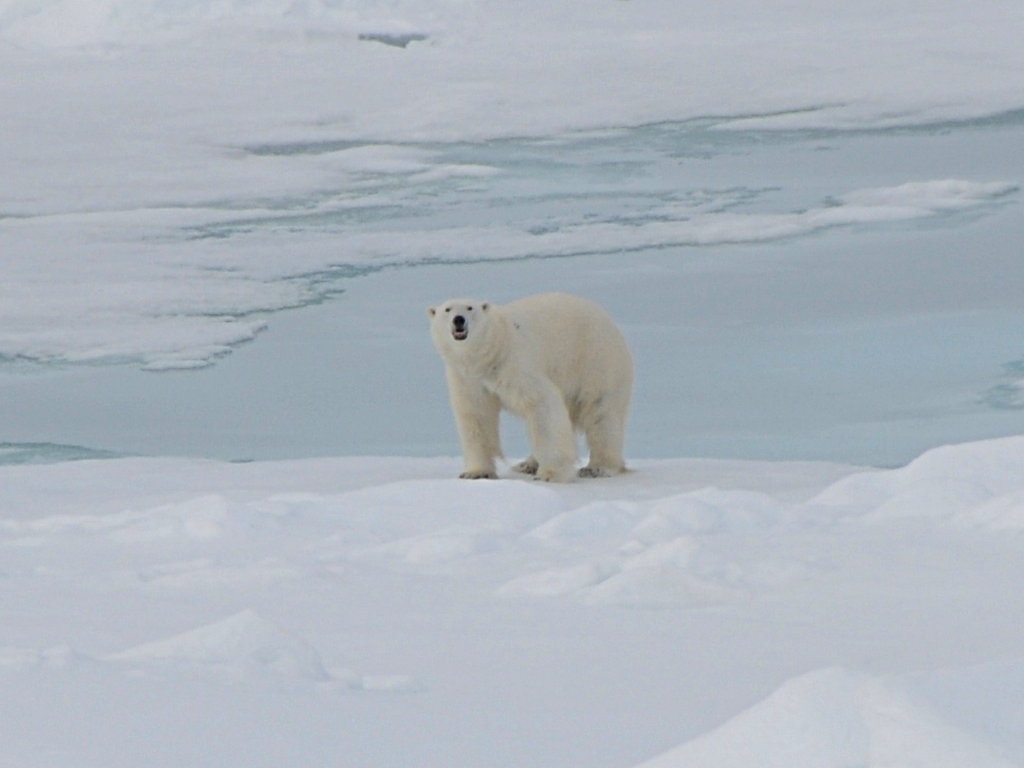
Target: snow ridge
pixel 833 718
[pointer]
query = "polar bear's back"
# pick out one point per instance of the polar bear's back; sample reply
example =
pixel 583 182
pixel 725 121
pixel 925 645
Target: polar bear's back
pixel 579 344
pixel 558 310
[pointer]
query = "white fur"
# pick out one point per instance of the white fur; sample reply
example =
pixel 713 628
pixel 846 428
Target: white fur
pixel 557 360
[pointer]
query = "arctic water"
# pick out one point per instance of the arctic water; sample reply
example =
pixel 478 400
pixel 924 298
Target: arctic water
pixel 863 339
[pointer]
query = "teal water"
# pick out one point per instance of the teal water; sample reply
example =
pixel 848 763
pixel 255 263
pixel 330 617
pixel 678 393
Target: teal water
pixel 864 343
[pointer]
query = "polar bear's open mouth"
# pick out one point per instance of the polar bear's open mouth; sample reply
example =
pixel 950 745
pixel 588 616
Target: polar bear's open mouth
pixel 460 327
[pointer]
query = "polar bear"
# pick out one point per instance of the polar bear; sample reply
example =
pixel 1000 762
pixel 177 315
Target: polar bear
pixel 557 360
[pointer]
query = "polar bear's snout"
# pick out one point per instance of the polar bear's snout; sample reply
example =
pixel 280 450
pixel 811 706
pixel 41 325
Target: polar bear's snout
pixel 460 328
pixel 453 318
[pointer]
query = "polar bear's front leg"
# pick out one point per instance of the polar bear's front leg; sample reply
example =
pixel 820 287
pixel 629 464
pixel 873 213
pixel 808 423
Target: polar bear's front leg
pixel 551 435
pixel 477 414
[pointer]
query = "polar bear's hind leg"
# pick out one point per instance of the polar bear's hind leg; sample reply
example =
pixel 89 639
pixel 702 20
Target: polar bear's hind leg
pixel 551 435
pixel 605 439
pixel 527 466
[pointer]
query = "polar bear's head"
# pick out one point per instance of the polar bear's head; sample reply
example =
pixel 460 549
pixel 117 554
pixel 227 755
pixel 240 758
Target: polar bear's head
pixel 458 321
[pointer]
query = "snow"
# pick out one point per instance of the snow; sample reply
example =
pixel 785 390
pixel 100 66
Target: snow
pixel 806 218
pixel 376 610
pixel 187 131
pixel 833 718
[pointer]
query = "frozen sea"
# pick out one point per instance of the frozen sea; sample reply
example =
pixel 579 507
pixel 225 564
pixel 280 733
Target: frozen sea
pixel 221 223
pixel 231 533
pixel 773 313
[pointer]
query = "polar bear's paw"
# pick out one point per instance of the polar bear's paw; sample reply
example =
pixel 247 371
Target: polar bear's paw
pixel 479 474
pixel 526 466
pixel 589 471
pixel 553 475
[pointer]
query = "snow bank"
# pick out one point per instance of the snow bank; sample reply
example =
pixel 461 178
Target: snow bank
pixel 651 554
pixel 246 646
pixel 982 487
pixel 689 589
pixel 244 641
pixel 833 718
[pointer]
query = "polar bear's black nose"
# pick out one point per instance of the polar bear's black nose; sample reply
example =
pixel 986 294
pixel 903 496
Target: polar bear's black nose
pixel 459 322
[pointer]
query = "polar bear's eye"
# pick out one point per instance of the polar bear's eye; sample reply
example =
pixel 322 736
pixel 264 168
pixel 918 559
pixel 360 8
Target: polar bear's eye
pixel 469 309
pixel 447 309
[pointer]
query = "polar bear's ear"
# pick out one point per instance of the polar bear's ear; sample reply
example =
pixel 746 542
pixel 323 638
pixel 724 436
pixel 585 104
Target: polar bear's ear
pixel 431 311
